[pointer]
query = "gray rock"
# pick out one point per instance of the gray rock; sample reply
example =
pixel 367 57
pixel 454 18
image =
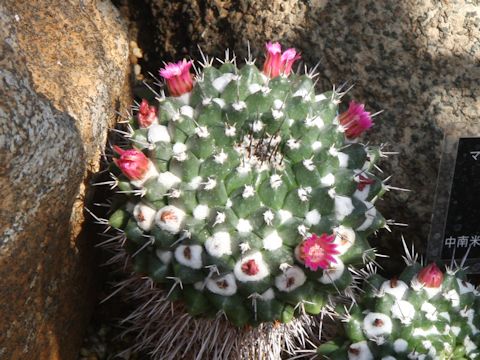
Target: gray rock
pixel 63 73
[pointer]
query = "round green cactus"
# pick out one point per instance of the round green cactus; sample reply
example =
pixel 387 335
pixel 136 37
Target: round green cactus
pixel 248 194
pixel 423 314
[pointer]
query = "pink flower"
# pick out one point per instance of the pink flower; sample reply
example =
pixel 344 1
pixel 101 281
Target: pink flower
pixel 133 163
pixel 431 276
pixel 317 251
pixel 355 120
pixel 178 77
pixel 147 114
pixel 278 63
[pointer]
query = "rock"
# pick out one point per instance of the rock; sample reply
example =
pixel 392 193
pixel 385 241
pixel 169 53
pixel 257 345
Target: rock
pixel 418 61
pixel 63 74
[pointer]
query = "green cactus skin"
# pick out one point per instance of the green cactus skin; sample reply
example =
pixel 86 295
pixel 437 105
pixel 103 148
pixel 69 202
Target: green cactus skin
pixel 243 169
pixel 403 319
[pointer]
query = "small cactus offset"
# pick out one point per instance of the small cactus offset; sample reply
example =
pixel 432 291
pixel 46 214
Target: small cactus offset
pixel 423 314
pixel 246 192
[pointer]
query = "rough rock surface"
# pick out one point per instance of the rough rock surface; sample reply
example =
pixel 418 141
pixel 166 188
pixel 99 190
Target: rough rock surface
pixel 63 73
pixel 417 60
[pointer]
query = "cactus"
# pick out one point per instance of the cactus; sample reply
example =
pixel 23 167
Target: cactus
pixel 423 314
pixel 246 193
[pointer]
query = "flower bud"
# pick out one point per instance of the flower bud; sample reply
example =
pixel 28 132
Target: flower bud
pixel 355 120
pixel 178 77
pixel 431 276
pixel 133 163
pixel 147 114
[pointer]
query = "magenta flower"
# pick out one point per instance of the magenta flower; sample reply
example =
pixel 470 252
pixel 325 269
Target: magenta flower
pixel 278 63
pixel 355 120
pixel 178 77
pixel 147 114
pixel 133 163
pixel 431 276
pixel 317 251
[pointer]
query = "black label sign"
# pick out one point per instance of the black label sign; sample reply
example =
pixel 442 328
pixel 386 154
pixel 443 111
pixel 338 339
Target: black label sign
pixel 462 225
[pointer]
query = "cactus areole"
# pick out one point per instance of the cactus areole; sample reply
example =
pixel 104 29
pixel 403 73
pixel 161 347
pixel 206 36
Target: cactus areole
pixel 246 193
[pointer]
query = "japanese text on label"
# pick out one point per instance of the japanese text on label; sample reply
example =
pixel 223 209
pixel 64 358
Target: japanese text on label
pixel 464 241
